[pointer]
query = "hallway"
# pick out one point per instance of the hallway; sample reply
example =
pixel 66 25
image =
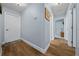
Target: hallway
pixel 37 24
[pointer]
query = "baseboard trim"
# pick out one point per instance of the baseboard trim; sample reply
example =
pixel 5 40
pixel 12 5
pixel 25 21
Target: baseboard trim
pixel 9 41
pixel 35 46
pixel 3 43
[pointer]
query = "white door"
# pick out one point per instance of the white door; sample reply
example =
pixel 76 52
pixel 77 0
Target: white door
pixel 12 27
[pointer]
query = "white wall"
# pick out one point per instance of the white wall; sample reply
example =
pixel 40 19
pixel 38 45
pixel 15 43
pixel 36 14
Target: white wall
pixel 35 29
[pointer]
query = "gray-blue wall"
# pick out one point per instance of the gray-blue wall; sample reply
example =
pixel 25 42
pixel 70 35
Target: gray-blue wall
pixel 77 25
pixel 1 28
pixel 33 25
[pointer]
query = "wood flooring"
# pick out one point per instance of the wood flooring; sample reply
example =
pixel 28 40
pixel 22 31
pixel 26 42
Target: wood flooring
pixel 59 47
pixel 20 48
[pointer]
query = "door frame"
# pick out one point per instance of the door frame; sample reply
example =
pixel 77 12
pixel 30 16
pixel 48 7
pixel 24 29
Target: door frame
pixel 74 24
pixel 11 13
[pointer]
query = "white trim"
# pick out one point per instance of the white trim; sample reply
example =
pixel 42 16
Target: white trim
pixel 3 43
pixel 11 14
pixel 14 13
pixel 35 46
pixel 59 37
pixel 10 41
pixel 59 18
pixel 69 43
pixel 74 27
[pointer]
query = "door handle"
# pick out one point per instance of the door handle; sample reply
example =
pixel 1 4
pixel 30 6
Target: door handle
pixel 6 29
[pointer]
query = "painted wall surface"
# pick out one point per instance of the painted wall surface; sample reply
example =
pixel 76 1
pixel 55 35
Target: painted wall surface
pixel 68 26
pixel 70 30
pixel 50 24
pixel 1 28
pixel 48 37
pixel 77 20
pixel 33 25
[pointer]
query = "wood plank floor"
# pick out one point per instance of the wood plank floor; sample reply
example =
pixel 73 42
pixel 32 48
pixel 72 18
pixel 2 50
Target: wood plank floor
pixel 59 47
pixel 20 48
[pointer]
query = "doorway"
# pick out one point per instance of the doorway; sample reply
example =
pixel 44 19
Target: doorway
pixel 59 28
pixel 62 31
pixel 11 27
pixel 71 27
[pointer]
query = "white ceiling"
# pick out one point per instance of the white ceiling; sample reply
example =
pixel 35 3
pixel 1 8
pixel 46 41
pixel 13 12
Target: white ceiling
pixel 15 6
pixel 58 10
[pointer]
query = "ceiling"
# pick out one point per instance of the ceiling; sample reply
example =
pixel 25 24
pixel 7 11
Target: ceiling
pixel 15 6
pixel 58 10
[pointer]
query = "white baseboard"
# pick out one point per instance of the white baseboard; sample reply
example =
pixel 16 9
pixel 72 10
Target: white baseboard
pixel 60 37
pixel 35 46
pixel 3 43
pixel 9 41
pixel 69 43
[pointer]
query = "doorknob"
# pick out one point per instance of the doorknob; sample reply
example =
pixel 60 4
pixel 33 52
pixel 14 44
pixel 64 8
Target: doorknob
pixel 6 29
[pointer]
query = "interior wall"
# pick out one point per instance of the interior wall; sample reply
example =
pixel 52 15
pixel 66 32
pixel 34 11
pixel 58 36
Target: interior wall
pixel 68 25
pixel 33 27
pixel 1 28
pixel 77 31
pixel 70 30
pixel 50 24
